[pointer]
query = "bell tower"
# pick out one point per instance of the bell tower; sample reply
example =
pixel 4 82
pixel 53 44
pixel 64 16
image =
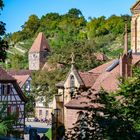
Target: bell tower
pixel 38 53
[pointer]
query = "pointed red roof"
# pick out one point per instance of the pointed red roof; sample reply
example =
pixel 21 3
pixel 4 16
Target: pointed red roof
pixel 40 44
pixel 6 78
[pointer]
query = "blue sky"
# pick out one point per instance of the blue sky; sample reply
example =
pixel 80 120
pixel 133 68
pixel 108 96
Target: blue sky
pixel 16 12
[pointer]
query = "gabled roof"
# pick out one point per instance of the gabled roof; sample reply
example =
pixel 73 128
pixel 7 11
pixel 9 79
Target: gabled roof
pixel 21 79
pixel 135 5
pixel 40 44
pixel 76 74
pixel 88 78
pixel 83 101
pixel 19 72
pixel 4 76
pixel 107 80
pixel 100 69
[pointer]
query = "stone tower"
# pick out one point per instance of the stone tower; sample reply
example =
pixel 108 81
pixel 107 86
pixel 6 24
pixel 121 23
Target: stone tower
pixel 135 27
pixel 38 53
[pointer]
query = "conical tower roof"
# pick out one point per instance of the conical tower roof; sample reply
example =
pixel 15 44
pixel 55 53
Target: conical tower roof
pixel 40 44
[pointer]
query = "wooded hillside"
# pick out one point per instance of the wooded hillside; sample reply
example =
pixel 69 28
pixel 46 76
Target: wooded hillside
pixel 68 33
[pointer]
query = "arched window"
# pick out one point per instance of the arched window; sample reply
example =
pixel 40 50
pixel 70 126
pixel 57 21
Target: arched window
pixel 72 85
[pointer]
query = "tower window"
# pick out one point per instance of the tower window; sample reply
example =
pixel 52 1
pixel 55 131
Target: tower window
pixel 72 85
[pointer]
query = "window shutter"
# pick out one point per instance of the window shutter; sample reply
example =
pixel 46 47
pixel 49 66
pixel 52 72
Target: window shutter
pixel 17 111
pixel 8 89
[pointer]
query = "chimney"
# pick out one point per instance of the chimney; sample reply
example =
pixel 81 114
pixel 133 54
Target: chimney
pixel 125 40
pixel 126 58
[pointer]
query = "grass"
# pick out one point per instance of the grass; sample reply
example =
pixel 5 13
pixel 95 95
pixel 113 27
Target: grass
pixel 49 133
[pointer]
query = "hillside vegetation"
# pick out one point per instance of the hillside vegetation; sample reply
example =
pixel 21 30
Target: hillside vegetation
pixel 66 33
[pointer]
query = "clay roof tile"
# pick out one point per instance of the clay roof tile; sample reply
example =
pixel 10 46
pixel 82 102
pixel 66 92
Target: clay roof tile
pixel 40 44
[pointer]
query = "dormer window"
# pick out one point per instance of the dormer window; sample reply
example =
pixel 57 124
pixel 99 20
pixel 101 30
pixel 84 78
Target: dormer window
pixel 72 85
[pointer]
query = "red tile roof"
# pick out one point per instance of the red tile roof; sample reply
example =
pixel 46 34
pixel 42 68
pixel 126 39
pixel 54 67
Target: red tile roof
pixel 19 72
pixel 100 69
pixel 88 78
pixel 107 80
pixel 84 100
pixel 40 44
pixel 4 76
pixel 135 59
pixel 138 1
pixel 21 79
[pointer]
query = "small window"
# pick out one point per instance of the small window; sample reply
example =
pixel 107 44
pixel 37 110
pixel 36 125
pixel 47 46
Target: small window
pixel 40 112
pixel 46 112
pixel 72 85
pixel 13 110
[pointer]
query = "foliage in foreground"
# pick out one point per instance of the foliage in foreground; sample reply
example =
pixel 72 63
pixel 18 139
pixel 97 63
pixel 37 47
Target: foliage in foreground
pixel 119 117
pixel 3 43
pixel 6 121
pixel 102 122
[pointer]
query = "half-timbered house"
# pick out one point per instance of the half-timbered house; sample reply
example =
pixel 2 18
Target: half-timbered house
pixel 12 95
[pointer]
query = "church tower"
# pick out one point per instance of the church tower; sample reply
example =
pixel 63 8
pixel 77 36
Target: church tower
pixel 38 53
pixel 135 27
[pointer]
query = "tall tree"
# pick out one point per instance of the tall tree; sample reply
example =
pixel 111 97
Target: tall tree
pixel 30 27
pixel 3 43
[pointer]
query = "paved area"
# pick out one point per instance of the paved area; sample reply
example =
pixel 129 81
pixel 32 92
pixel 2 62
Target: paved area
pixel 26 136
pixel 38 124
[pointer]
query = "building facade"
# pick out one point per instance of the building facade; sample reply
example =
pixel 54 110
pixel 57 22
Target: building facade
pixel 12 95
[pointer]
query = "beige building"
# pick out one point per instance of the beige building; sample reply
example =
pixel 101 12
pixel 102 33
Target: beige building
pixel 41 111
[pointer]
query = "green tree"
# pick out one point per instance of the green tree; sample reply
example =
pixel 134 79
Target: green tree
pixel 18 61
pixel 130 92
pixel 30 105
pixel 3 43
pixel 6 121
pixel 30 27
pixel 43 83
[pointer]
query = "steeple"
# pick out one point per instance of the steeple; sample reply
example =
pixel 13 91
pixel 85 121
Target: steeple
pixel 72 60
